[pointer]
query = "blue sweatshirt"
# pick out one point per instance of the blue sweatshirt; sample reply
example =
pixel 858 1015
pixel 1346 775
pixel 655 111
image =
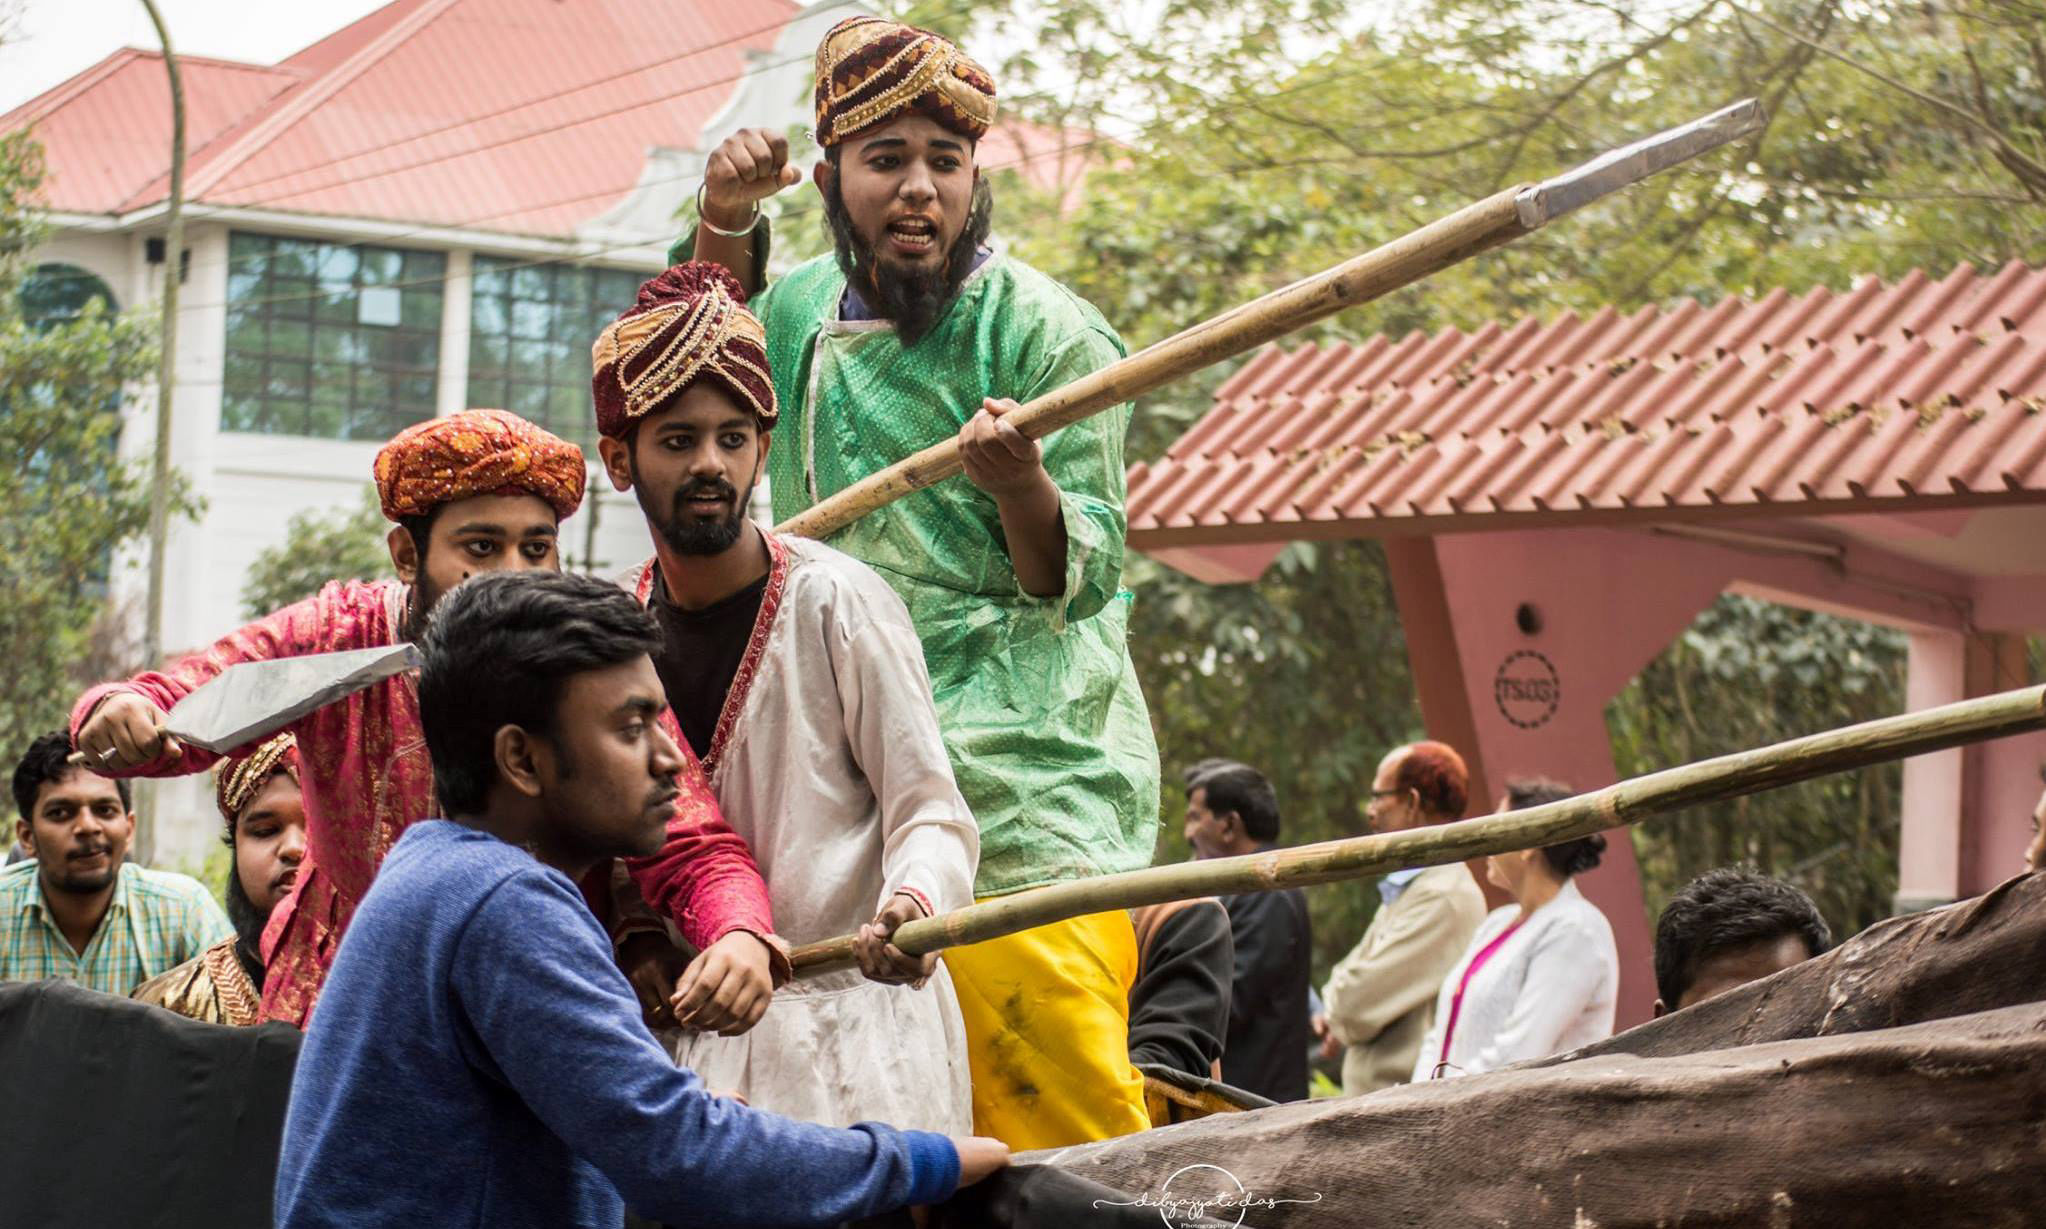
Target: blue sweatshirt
pixel 477 1059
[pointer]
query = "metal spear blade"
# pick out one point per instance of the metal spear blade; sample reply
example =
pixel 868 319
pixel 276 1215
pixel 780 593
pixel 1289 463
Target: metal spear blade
pixel 255 699
pixel 1550 199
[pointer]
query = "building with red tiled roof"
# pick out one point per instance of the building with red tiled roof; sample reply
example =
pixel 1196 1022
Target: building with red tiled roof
pixel 1558 500
pixel 435 207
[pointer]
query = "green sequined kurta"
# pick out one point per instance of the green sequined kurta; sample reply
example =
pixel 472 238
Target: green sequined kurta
pixel 1037 696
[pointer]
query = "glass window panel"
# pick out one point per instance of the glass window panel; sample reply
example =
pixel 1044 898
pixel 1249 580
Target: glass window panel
pixel 294 258
pixel 487 276
pixel 333 383
pixel 288 380
pixel 338 265
pixel 528 399
pixel 338 306
pixel 293 298
pixel 532 282
pixel 321 419
pixel 291 339
pixel 421 307
pixel 488 315
pixel 486 357
pixel 424 267
pixel 239 411
pixel 569 406
pixel 530 319
pixel 529 361
pixel 416 393
pixel 381 266
pixel 373 387
pixel 244 282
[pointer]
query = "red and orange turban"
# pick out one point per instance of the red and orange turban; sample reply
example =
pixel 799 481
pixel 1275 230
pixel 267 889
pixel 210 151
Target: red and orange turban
pixel 477 452
pixel 689 324
pixel 237 781
pixel 870 70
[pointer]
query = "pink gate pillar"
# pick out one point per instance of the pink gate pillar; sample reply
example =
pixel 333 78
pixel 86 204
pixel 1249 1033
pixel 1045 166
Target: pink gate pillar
pixel 1518 641
pixel 1967 810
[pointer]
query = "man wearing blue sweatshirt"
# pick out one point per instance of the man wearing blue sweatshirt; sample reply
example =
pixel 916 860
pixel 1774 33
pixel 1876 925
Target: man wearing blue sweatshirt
pixel 477 1058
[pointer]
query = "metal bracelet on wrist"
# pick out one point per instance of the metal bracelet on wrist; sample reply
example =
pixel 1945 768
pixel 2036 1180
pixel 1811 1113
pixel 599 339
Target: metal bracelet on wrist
pixel 704 221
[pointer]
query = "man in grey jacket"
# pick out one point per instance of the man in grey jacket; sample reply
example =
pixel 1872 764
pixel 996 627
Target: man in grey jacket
pixel 1381 995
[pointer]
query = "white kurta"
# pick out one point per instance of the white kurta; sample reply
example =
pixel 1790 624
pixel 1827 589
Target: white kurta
pixel 829 762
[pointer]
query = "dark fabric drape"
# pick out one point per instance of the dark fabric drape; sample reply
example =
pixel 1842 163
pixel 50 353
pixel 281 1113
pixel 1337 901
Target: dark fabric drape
pixel 118 1113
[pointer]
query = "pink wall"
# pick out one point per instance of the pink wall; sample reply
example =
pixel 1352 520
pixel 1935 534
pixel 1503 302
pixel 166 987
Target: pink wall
pixel 1609 603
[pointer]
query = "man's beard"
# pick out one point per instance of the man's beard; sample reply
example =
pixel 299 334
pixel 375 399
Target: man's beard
pixel 85 883
pixel 679 528
pixel 914 300
pixel 425 595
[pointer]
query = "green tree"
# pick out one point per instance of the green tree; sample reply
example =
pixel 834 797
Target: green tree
pixel 334 544
pixel 1837 836
pixel 67 503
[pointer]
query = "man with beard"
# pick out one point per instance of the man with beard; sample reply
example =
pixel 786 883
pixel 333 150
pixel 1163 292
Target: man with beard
pixel 259 799
pixel 778 653
pixel 475 492
pixel 77 909
pixel 915 330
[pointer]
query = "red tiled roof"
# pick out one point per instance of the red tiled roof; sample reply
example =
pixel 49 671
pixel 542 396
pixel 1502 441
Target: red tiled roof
pixel 1824 401
pixel 370 122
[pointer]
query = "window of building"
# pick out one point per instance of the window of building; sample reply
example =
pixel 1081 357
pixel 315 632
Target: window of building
pixel 530 330
pixel 54 293
pixel 330 340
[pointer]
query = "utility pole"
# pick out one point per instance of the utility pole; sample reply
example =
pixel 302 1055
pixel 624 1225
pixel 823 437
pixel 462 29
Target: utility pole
pixel 166 380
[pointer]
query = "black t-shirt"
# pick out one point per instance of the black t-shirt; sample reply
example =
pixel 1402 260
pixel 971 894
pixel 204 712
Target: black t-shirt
pixel 700 655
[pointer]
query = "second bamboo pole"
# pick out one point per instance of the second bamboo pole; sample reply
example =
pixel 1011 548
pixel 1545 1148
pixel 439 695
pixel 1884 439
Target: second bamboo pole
pixel 1629 802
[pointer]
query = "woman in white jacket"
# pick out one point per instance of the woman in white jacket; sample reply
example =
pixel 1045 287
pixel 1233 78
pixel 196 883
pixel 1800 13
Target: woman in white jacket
pixel 1542 975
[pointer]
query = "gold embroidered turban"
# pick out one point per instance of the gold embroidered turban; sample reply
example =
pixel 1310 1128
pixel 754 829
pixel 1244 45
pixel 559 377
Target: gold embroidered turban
pixel 237 781
pixel 870 70
pixel 477 452
pixel 689 324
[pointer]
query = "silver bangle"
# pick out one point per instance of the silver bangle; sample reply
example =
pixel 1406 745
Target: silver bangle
pixel 715 229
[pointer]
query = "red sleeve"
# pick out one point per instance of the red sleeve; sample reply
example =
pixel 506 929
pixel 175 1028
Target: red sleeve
pixel 704 879
pixel 301 628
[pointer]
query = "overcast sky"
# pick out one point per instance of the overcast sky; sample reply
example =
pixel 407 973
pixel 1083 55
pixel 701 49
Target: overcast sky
pixel 47 41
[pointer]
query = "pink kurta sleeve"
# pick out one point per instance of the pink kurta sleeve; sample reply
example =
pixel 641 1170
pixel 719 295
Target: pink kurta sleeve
pixel 704 879
pixel 318 624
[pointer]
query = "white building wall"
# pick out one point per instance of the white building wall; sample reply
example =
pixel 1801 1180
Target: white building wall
pixel 252 485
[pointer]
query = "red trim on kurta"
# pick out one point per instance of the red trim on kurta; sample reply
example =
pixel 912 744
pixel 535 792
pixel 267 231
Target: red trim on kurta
pixel 756 644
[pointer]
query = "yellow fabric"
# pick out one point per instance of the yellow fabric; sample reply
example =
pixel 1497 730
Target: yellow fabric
pixel 1047 1018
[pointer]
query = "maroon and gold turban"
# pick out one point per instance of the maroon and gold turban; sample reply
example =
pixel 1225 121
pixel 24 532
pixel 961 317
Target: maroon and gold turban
pixel 477 452
pixel 237 781
pixel 870 70
pixel 689 324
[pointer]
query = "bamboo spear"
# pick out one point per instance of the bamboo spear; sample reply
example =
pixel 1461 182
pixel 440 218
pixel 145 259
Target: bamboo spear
pixel 1629 802
pixel 1499 218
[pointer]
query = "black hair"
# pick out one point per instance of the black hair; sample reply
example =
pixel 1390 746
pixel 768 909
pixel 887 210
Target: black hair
pixel 1566 858
pixel 1724 910
pixel 48 759
pixel 498 651
pixel 1240 788
pixel 420 529
pixel 1193 772
pixel 915 305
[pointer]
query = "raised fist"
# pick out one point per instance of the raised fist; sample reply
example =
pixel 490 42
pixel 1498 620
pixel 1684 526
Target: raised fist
pixel 746 168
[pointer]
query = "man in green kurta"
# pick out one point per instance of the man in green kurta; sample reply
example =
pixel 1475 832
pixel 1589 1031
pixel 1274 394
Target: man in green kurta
pixel 913 331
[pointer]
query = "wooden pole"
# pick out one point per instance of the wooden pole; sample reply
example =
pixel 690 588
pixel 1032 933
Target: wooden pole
pixel 1629 802
pixel 1408 259
pixel 166 380
pixel 1499 218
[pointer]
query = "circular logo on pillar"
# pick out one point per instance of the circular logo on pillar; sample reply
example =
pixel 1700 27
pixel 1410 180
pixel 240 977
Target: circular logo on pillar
pixel 1527 689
